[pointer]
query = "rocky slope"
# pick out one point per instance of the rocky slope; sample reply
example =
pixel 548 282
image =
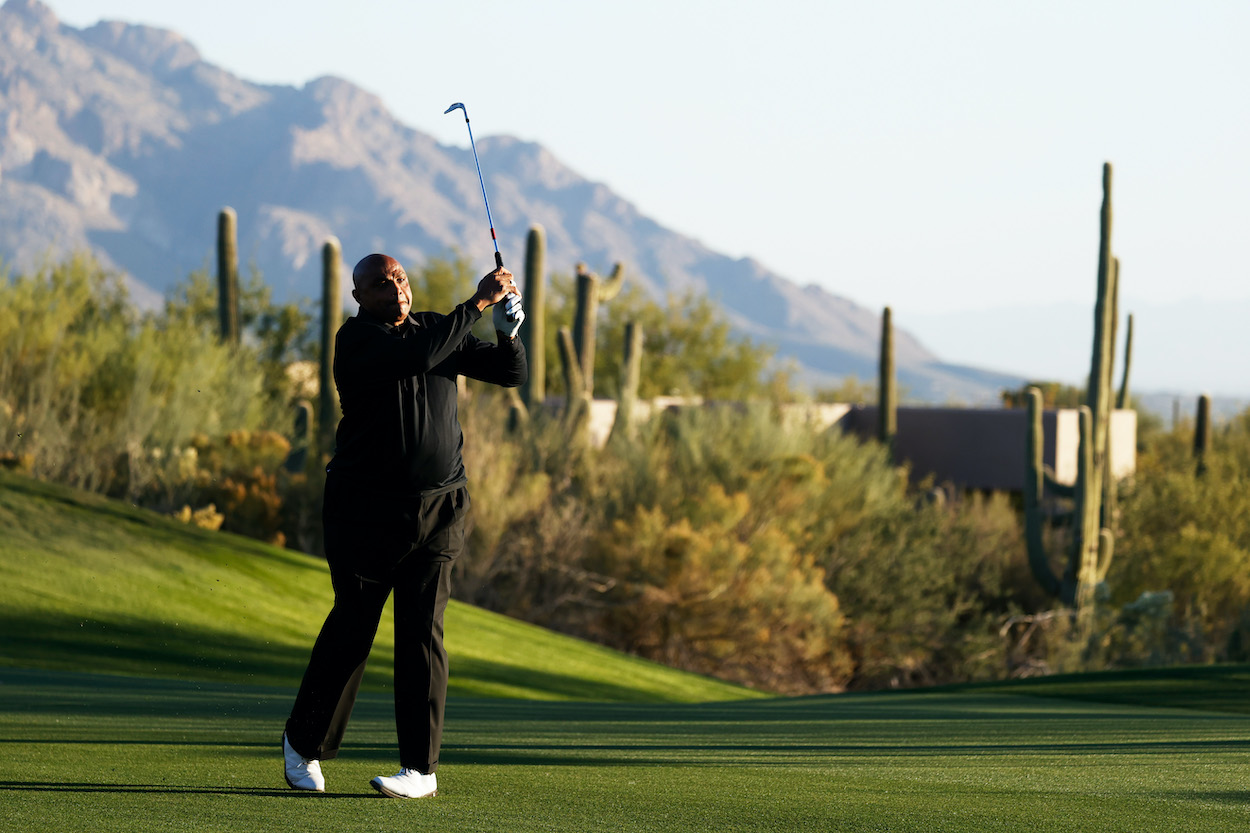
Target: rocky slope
pixel 122 139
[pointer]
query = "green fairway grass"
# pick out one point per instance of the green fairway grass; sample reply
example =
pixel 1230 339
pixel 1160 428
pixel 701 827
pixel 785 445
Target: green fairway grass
pixel 146 670
pixel 102 753
pixel 1223 688
pixel 92 584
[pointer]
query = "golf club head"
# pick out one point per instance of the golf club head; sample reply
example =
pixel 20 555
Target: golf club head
pixel 457 106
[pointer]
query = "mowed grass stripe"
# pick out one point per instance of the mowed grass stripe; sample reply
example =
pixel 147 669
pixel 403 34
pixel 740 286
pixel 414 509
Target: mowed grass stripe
pixel 92 584
pixel 125 754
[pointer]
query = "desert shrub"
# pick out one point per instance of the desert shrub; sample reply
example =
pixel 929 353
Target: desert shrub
pixel 91 388
pixel 723 542
pixel 239 474
pixel 926 585
pixel 1144 632
pixel 151 407
pixel 643 547
pixel 921 585
pixel 1190 535
pixel 716 594
pixel 513 511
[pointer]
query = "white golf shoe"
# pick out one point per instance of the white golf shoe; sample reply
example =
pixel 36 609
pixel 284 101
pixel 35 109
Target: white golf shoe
pixel 407 783
pixel 301 773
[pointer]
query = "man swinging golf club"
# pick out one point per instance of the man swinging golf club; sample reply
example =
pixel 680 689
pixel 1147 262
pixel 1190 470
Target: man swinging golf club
pixel 395 506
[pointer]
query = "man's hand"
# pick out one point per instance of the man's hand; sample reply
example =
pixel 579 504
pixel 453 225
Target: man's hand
pixel 493 288
pixel 509 315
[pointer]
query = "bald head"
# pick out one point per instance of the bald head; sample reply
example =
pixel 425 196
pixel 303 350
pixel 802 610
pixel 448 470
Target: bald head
pixel 374 266
pixel 382 288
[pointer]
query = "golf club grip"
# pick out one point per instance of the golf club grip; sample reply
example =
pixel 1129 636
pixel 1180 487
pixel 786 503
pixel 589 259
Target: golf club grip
pixel 498 260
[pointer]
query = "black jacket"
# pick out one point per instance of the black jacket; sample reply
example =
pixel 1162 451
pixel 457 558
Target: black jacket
pixel 397 388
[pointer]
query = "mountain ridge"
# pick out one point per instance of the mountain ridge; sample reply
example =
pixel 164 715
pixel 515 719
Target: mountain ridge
pixel 122 139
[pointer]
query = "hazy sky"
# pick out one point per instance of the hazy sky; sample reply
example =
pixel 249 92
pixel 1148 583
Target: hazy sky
pixel 936 157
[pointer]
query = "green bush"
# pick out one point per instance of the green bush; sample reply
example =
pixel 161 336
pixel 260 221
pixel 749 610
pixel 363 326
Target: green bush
pixel 719 541
pixel 1190 535
pixel 98 396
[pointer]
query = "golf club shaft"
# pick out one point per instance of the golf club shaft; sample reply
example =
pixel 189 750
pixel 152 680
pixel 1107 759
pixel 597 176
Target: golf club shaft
pixel 480 181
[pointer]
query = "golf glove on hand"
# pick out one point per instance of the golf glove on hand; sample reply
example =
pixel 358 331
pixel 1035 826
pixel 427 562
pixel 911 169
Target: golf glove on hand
pixel 508 315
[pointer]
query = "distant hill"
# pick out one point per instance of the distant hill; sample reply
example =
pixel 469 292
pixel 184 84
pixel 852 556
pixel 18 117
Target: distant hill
pixel 122 139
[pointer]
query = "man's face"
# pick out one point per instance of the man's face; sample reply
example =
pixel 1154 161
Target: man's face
pixel 382 290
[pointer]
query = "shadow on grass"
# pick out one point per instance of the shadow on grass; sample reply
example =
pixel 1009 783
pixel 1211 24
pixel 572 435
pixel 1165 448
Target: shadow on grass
pixel 135 646
pixel 1216 688
pixel 480 672
pixel 1239 798
pixel 779 754
pixel 167 789
pixel 125 648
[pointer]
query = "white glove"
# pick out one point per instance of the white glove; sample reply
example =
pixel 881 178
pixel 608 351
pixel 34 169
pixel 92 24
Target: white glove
pixel 508 315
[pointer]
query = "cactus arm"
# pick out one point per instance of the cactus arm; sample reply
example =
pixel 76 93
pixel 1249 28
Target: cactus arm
pixel 1064 490
pixel 624 425
pixel 1106 548
pixel 1039 561
pixel 518 414
pixel 575 389
pixel 611 287
pixel 1123 399
pixel 1083 556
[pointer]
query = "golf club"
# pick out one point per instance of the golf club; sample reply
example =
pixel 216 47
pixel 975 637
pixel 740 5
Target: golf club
pixel 459 106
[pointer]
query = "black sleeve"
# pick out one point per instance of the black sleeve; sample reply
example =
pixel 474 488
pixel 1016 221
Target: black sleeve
pixel 498 364
pixel 366 352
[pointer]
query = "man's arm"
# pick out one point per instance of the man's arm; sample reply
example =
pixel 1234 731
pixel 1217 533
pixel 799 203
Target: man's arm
pixel 370 353
pixel 503 363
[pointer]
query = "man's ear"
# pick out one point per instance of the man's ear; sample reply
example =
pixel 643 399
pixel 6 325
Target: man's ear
pixel 355 296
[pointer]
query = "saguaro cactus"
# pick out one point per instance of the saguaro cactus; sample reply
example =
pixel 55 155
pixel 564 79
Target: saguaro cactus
pixel 534 327
pixel 228 275
pixel 1122 399
pixel 591 292
pixel 1090 541
pixel 302 424
pixel 577 397
pixel 1202 433
pixel 331 317
pixel 1089 547
pixel 625 424
pixel 887 385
